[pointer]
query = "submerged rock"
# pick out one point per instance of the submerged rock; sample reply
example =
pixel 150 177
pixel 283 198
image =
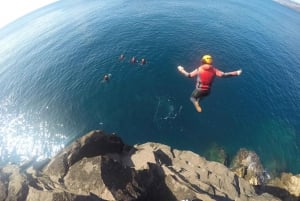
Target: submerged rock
pixel 217 153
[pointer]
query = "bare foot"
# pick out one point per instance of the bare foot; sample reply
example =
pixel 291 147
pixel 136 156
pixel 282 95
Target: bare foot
pixel 197 106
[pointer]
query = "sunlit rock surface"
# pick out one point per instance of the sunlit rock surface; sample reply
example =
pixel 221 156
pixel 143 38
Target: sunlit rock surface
pixel 289 186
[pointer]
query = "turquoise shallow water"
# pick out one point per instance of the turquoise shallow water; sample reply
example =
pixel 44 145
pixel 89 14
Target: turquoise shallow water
pixel 52 62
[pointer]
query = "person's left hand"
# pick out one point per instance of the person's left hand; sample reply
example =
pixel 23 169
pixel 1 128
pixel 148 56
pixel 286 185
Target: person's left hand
pixel 239 72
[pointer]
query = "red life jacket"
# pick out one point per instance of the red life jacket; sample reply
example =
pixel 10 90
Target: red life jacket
pixel 206 76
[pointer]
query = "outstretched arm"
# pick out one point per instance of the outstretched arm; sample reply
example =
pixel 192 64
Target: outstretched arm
pixel 228 74
pixel 185 73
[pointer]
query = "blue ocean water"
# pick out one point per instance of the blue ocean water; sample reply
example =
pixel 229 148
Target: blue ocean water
pixel 52 62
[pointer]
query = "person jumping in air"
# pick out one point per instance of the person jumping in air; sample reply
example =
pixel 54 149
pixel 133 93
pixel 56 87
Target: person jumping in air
pixel 205 76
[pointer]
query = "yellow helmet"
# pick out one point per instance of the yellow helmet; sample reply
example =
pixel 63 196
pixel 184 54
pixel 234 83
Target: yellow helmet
pixel 207 59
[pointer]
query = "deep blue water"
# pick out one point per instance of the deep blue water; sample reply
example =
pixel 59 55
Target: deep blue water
pixel 52 62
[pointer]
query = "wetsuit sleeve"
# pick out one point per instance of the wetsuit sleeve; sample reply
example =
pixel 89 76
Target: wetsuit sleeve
pixel 193 73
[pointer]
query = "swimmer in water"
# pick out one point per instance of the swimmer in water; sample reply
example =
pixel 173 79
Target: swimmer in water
pixel 133 60
pixel 122 57
pixel 143 61
pixel 106 78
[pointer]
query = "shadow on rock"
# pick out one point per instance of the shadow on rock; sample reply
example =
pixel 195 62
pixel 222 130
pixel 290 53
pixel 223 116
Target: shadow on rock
pixel 277 192
pixel 125 183
pixel 95 144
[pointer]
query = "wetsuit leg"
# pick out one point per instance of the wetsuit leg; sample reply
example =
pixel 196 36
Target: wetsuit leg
pixel 198 95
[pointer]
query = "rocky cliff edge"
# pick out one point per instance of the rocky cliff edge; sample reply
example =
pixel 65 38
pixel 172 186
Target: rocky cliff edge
pixel 100 166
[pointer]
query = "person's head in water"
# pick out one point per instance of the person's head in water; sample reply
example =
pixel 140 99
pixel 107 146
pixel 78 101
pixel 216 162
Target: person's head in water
pixel 121 57
pixel 207 59
pixel 106 77
pixel 133 60
pixel 143 61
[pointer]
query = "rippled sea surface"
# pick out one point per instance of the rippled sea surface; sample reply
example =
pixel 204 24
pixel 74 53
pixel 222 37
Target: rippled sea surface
pixel 52 62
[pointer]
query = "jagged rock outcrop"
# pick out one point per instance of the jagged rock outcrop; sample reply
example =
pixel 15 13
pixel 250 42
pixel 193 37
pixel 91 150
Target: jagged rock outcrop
pixel 100 167
pixel 247 165
pixel 13 184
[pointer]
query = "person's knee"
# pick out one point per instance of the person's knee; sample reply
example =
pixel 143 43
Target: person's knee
pixel 193 99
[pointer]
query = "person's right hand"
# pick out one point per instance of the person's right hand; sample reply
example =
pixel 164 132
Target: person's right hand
pixel 180 68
